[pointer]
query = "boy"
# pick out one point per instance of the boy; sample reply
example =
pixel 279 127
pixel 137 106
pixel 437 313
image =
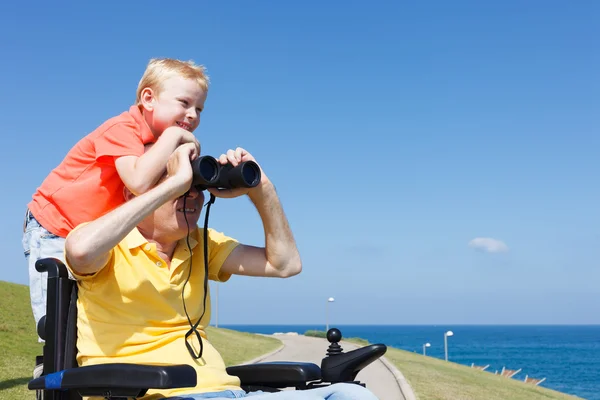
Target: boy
pixel 90 180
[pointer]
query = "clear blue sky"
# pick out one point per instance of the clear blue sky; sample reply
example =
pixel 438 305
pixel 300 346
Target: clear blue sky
pixel 396 134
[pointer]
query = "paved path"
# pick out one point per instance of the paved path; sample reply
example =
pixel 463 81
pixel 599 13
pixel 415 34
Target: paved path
pixel 378 378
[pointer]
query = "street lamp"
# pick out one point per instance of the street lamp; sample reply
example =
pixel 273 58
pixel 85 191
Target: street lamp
pixel 426 345
pixel 329 300
pixel 446 334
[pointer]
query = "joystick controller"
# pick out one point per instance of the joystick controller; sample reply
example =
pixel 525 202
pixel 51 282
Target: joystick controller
pixel 334 336
pixel 338 366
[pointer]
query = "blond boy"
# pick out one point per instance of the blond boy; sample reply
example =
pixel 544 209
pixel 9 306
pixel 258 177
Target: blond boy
pixel 90 180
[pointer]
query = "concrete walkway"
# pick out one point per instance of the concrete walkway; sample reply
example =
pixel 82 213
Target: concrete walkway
pixel 378 377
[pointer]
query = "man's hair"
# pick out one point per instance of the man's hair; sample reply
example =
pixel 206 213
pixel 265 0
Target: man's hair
pixel 160 69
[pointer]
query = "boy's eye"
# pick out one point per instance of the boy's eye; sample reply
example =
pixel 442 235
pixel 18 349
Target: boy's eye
pixel 198 110
pixel 184 102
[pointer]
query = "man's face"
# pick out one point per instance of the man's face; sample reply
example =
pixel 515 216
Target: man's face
pixel 169 220
pixel 179 103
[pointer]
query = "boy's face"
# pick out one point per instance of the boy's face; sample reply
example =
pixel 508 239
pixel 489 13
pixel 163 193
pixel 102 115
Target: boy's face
pixel 179 103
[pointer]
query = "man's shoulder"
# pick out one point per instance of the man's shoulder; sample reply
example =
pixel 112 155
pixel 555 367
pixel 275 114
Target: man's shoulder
pixel 215 235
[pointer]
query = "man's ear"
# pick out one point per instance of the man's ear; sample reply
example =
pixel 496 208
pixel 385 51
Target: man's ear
pixel 147 99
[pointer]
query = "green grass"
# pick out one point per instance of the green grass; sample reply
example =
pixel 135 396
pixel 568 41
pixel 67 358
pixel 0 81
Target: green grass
pixel 319 334
pixel 239 347
pixel 18 343
pixel 432 378
pixel 435 379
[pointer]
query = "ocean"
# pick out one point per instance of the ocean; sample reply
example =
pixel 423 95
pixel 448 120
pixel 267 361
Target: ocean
pixel 567 356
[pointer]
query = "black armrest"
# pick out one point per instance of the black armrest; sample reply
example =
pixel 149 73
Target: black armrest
pixel 279 374
pixel 120 380
pixel 344 367
pixel 53 266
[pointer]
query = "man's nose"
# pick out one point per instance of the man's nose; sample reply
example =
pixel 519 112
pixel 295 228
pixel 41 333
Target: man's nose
pixel 194 193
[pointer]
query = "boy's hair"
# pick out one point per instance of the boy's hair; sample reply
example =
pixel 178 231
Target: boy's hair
pixel 159 69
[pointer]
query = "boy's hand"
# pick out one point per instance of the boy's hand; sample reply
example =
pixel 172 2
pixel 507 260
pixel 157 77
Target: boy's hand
pixel 179 168
pixel 188 137
pixel 184 136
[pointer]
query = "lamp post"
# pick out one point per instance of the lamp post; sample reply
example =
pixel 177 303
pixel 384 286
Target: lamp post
pixel 426 345
pixel 446 334
pixel 329 300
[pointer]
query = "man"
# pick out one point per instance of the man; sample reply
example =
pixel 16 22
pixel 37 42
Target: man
pixel 140 272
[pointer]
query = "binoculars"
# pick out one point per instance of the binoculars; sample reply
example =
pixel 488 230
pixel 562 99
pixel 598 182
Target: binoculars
pixel 209 173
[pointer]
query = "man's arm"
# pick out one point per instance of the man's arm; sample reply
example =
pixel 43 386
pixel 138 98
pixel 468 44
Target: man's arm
pixel 280 256
pixel 139 174
pixel 88 248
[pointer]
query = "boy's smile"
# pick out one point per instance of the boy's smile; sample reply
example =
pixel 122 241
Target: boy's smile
pixel 184 125
pixel 178 102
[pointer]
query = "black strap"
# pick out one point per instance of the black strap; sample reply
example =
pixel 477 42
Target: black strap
pixel 71 332
pixel 194 327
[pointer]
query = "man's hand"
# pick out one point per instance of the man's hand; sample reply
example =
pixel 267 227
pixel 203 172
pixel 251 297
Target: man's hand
pixel 184 136
pixel 179 168
pixel 279 257
pixel 235 157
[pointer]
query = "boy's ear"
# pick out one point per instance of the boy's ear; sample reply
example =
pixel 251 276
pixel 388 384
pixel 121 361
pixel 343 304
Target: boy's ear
pixel 147 99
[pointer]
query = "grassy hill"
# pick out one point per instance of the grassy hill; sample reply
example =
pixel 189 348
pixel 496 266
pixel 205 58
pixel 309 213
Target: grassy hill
pixel 432 378
pixel 18 343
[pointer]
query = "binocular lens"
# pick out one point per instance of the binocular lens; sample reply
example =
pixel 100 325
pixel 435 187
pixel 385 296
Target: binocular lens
pixel 209 170
pixel 205 170
pixel 251 174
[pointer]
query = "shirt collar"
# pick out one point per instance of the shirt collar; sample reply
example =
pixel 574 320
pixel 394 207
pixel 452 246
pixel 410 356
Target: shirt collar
pixel 145 132
pixel 136 239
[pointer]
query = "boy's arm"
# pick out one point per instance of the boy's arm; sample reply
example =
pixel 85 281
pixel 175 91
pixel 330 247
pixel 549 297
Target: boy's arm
pixel 88 248
pixel 140 174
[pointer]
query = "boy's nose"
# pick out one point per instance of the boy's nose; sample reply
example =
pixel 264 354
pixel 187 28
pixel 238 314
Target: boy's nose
pixel 192 114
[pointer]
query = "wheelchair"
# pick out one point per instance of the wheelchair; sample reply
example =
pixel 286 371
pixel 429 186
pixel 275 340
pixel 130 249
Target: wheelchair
pixel 63 379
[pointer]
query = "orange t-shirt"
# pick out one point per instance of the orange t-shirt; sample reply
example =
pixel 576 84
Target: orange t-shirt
pixel 86 185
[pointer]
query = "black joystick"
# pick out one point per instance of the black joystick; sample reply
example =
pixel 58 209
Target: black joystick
pixel 343 367
pixel 334 336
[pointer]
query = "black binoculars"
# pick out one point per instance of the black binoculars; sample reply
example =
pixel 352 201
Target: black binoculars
pixel 209 173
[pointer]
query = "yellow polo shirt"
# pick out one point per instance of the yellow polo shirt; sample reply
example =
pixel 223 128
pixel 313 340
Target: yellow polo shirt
pixel 131 311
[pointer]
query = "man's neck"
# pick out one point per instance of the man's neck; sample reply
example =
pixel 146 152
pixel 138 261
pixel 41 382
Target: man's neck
pixel 165 250
pixel 165 246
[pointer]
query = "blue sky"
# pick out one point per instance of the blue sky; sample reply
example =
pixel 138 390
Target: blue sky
pixel 397 134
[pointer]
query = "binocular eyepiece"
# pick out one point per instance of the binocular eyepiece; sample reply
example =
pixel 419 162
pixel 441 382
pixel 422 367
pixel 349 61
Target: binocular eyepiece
pixel 209 173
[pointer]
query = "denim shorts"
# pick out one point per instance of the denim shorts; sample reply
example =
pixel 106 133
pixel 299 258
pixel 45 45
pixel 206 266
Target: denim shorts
pixel 39 243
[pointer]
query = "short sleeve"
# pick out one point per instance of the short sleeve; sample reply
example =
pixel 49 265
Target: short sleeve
pixel 121 139
pixel 220 247
pixel 86 277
